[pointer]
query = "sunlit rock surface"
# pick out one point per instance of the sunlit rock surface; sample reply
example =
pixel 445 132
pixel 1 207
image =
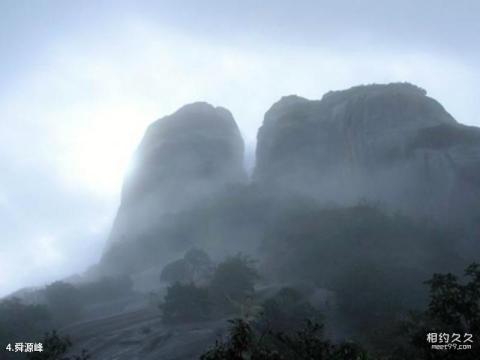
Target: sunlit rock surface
pixel 388 144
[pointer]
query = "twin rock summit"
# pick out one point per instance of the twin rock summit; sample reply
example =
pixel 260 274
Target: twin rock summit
pixel 388 145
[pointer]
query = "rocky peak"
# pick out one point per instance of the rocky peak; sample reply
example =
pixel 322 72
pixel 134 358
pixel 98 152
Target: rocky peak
pixel 183 159
pixel 198 142
pixel 390 144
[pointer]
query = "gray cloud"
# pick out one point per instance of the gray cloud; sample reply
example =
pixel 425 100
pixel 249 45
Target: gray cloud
pixel 82 80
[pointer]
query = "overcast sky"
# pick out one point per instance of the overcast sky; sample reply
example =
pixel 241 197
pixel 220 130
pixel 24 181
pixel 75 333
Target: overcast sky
pixel 81 80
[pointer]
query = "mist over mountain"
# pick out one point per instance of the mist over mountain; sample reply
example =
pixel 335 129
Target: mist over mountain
pixel 233 180
pixel 183 160
pixel 386 144
pixel 354 201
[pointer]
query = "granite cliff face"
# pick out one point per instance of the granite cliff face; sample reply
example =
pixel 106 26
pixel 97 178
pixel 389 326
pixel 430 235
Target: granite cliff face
pixel 183 159
pixel 389 144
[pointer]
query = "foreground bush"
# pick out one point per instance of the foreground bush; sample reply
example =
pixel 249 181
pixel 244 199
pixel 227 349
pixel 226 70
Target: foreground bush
pixel 245 342
pixel 454 307
pixel 55 347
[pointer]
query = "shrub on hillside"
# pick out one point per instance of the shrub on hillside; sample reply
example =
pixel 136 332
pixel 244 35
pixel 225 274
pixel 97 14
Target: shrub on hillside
pixel 374 261
pixel 195 266
pixel 286 311
pixel 185 303
pixel 245 342
pixel 233 281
